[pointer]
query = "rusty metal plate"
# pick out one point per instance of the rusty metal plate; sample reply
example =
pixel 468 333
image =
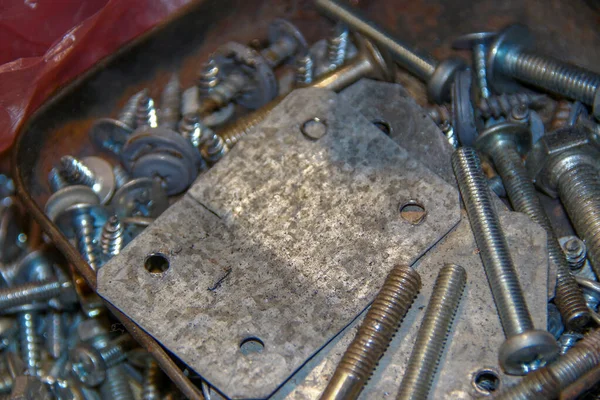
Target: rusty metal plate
pixel 285 242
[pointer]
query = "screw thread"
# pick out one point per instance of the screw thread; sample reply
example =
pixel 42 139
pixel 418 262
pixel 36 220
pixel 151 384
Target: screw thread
pixel 84 233
pixel 170 103
pixel 121 176
pixel 30 342
pixel 222 94
pixel 76 171
pixel 553 75
pixel 575 252
pixel 190 128
pixel 116 351
pixel 374 334
pixel 433 333
pixel 502 105
pixel 208 77
pixel 568 340
pixel 116 385
pixel 151 381
pixel 56 180
pixel 304 70
pixel 55 339
pixel 213 147
pixel 337 46
pixel 498 265
pixel 145 113
pixel 29 292
pixel 480 68
pixel 579 191
pixel 232 134
pixel 112 239
pixel 128 114
pixel 279 51
pixel 561 115
pixel 523 196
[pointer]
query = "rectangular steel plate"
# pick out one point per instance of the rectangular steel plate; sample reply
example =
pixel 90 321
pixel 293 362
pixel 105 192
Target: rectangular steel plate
pixel 286 240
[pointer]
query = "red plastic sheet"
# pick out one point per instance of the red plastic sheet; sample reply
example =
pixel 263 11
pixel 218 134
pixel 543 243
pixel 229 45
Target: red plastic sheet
pixel 45 43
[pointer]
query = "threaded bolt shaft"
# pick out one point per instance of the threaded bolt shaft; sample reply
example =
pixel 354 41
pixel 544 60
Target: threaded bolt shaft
pixel 502 105
pixel 208 77
pixel 433 333
pixel 121 176
pixel 576 253
pixel 553 75
pixel 55 338
pixel 337 46
pixel 191 129
pixel 479 55
pixel 374 334
pixel 579 191
pixel 112 239
pixel 56 180
pixel 30 342
pixel 523 196
pixel 115 352
pixel 152 380
pixel 77 172
pixel 145 113
pixel 29 292
pixel 213 147
pixel 116 385
pixel 128 114
pixel 170 103
pixel 84 234
pixel 304 70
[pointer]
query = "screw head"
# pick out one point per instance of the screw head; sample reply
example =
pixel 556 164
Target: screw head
pixel 438 87
pixel 528 351
pixel 87 365
pixel 109 134
pixel 282 29
pixel 519 134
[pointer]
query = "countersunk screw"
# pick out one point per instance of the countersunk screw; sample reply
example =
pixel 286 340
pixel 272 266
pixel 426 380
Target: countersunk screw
pixel 437 75
pixel 547 382
pixel 508 57
pixel 374 334
pixel 478 44
pixel 525 349
pixel 505 143
pixel 337 46
pixel 112 239
pixel 433 333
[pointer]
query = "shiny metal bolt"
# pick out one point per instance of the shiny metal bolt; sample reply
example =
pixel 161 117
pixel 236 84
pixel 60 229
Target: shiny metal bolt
pixel 170 103
pixel 575 251
pixel 478 44
pixel 433 333
pixel 437 75
pixel 208 78
pixel 505 143
pixel 27 293
pixel 337 46
pixel 152 380
pixel 374 334
pixel 509 58
pixel 525 349
pixel 112 238
pixel 503 104
pixel 116 385
pixel 547 382
pixel 94 172
pixel 145 114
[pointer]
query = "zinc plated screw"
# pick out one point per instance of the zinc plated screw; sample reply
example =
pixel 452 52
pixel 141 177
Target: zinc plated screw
pixel 116 385
pixel 29 341
pixel 170 103
pixel 112 239
pixel 509 57
pixel 525 349
pixel 433 333
pixel 547 382
pixel 437 75
pixel 94 172
pixel 337 46
pixel 374 334
pixel 505 143
pixel 27 293
pixel 478 43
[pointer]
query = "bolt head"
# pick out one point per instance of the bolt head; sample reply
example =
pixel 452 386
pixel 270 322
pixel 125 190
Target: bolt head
pixel 519 134
pixel 468 41
pixel 556 151
pixel 384 66
pixel 438 87
pixel 282 29
pixel 521 354
pixel 87 365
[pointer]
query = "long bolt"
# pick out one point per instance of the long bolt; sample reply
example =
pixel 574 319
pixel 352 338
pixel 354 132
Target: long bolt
pixel 478 43
pixel 433 333
pixel 30 342
pixel 374 335
pixel 438 76
pixel 525 349
pixel 547 382
pixel 30 292
pixel 367 63
pixel 501 142
pixel 508 56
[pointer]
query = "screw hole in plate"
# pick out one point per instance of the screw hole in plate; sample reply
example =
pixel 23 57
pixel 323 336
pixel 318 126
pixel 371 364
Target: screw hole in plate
pixel 413 212
pixel 486 381
pixel 314 129
pixel 383 126
pixel 156 263
pixel 251 345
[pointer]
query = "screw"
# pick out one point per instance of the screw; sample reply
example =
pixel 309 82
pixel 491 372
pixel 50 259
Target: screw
pixel 56 180
pixel 337 46
pixel 77 172
pixel 568 340
pixel 304 70
pixel 30 342
pixel 112 238
pixel 508 57
pixel 94 172
pixel 121 176
pixel 547 382
pixel 285 40
pixel 208 77
pixel 145 112
pixel 478 43
pixel 152 380
pixel 27 293
pixel 55 334
pixel 433 333
pixel 505 143
pixel 575 251
pixel 502 105
pixel 525 349
pixel 374 334
pixel 438 76
pixel 116 385
pixel 170 103
pixel 368 63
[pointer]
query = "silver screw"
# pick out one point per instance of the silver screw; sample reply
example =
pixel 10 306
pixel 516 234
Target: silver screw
pixel 27 293
pixel 83 222
pixel 502 105
pixel 56 180
pixel 304 70
pixel 568 340
pixel 438 76
pixel 374 334
pixel 478 44
pixel 116 386
pixel 508 57
pixel 170 103
pixel 337 46
pixel 112 238
pixel 575 251
pixel 30 342
pixel 77 172
pixel 145 113
pixel 208 77
pixel 433 333
pixel 55 334
pixel 505 143
pixel 525 349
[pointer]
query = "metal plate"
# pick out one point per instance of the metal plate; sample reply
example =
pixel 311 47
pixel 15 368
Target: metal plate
pixel 476 334
pixel 292 236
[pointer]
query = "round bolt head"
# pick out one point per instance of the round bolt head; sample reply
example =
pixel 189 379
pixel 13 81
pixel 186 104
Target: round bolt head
pixel 67 197
pixel 175 173
pixel 521 354
pixel 468 41
pixel 515 36
pixel 519 134
pixel 438 87
pixel 140 197
pixel 282 29
pixel 87 365
pixel 109 135
pixel 105 177
pixel 384 66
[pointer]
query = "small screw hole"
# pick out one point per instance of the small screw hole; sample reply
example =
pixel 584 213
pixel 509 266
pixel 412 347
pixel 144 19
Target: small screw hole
pixel 156 263
pixel 413 212
pixel 251 345
pixel 383 126
pixel 486 381
pixel 314 129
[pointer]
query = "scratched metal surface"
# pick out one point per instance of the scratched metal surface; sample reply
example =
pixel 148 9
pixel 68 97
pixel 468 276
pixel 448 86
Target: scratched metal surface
pixel 305 232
